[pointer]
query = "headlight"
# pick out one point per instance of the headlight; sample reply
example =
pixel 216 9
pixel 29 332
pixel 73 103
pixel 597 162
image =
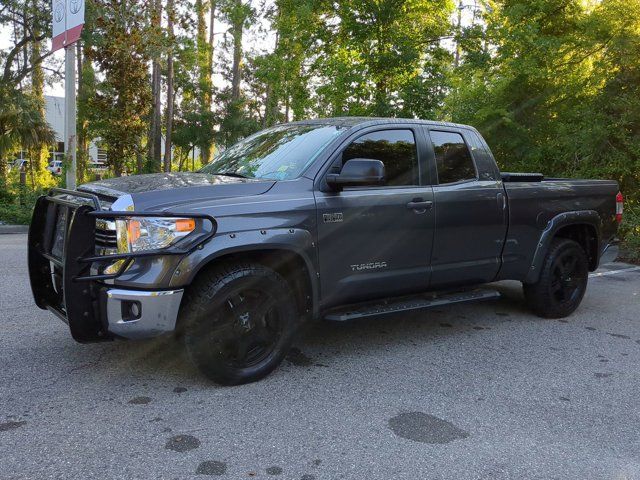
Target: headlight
pixel 139 234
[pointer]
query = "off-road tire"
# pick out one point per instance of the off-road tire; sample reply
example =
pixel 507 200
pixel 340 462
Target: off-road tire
pixel 205 310
pixel 546 297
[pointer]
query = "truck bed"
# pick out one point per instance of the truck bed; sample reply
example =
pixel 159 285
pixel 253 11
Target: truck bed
pixel 534 200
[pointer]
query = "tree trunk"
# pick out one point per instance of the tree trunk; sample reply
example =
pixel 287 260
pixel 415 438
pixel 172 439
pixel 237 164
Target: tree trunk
pixel 155 147
pixel 286 109
pixel 167 145
pixel 39 154
pixel 456 61
pixel 212 19
pixel 204 77
pixel 3 177
pixel 139 159
pixel 236 72
pixel 272 101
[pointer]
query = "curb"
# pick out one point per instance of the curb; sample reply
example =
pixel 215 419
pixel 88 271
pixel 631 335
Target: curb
pixel 14 229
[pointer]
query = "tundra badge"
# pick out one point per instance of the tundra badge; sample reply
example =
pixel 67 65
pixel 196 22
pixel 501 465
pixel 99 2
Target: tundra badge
pixel 368 266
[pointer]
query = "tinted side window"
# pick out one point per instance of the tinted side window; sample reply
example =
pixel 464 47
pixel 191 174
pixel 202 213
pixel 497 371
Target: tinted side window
pixel 452 157
pixel 395 148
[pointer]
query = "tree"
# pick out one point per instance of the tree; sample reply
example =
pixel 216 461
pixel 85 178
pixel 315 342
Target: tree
pixel 22 125
pixel 205 67
pixel 374 49
pixel 38 154
pixel 170 86
pixel 606 127
pixel 86 92
pixel 234 124
pixel 155 49
pixel 30 21
pixel 22 122
pixel 120 108
pixel 284 72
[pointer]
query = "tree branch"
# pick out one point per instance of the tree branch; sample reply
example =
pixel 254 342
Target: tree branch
pixel 13 53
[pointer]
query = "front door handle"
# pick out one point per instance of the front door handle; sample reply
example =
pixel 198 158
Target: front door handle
pixel 419 205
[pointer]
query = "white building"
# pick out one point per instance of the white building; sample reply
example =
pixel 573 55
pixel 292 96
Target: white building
pixel 54 114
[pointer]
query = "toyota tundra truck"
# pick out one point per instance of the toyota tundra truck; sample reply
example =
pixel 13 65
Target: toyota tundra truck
pixel 338 219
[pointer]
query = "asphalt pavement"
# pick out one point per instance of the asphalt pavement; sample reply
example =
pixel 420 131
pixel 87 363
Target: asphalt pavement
pixel 476 391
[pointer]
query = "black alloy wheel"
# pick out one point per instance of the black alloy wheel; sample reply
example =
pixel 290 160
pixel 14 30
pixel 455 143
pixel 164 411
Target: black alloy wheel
pixel 249 327
pixel 238 321
pixel 562 282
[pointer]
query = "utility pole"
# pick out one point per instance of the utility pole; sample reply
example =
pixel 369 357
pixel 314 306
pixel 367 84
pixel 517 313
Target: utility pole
pixel 70 114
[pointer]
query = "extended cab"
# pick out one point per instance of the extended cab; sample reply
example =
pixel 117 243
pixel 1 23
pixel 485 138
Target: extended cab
pixel 339 218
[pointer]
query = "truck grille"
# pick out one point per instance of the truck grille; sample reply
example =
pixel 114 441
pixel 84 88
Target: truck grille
pixel 60 232
pixel 106 237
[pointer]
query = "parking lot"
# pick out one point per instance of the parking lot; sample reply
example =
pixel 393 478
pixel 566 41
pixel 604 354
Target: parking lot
pixel 474 391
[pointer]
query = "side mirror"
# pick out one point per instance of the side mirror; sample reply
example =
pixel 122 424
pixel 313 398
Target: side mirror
pixel 358 172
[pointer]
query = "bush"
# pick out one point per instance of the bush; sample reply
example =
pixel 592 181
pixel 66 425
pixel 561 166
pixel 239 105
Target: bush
pixel 16 214
pixel 16 209
pixel 17 201
pixel 630 232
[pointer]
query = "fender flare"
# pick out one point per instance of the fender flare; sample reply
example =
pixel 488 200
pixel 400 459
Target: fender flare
pixel 579 217
pixel 297 241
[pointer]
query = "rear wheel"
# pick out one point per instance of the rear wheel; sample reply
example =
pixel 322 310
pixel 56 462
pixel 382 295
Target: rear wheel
pixel 562 283
pixel 238 322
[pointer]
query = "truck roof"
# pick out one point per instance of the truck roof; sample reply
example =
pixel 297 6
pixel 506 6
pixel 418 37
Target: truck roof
pixel 348 122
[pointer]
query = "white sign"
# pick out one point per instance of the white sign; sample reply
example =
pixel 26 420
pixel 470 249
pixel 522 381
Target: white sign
pixel 68 19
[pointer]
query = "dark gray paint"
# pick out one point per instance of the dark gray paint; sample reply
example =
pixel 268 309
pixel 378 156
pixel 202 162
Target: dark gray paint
pixel 476 231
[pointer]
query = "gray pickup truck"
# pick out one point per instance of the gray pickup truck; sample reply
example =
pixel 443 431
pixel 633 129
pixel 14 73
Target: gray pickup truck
pixel 333 219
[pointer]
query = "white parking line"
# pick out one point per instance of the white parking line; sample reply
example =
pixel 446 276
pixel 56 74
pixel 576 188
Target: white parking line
pixel 613 272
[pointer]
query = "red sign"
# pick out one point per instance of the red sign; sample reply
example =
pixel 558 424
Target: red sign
pixel 68 20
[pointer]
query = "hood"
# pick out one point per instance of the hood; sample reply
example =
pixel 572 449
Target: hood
pixel 166 190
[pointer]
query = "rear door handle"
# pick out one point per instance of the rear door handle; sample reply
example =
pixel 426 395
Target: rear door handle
pixel 419 204
pixel 502 201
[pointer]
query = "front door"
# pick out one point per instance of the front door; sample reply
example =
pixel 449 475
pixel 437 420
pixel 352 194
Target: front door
pixel 376 241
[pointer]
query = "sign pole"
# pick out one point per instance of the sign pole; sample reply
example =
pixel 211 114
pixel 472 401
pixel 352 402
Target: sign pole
pixel 70 114
pixel 66 27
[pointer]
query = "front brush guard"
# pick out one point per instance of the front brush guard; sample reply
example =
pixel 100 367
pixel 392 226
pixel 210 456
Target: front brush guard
pixel 65 285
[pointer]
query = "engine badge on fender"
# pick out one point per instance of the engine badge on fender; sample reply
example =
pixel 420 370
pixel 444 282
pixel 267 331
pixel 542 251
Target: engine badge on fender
pixel 332 217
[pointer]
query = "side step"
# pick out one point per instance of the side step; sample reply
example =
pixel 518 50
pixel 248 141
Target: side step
pixel 407 304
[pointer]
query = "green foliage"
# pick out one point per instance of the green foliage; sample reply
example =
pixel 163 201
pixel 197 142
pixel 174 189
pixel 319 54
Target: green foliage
pixel 12 212
pixel 630 233
pixel 120 108
pixel 16 201
pixel 375 52
pixel 560 93
pixel 21 121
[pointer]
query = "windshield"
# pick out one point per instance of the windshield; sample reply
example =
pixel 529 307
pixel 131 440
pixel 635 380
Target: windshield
pixel 279 153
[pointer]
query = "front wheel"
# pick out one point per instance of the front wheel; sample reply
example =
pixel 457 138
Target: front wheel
pixel 562 283
pixel 238 322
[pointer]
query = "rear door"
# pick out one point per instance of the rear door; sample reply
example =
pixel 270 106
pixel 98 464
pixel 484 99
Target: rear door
pixel 470 209
pixel 371 242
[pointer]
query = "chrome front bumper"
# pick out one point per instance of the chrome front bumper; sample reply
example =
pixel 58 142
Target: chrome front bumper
pixel 610 252
pixel 136 314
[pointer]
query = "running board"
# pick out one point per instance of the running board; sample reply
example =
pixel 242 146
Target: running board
pixel 407 304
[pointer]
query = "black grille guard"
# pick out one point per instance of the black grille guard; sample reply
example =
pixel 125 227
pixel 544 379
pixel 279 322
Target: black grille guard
pixel 75 299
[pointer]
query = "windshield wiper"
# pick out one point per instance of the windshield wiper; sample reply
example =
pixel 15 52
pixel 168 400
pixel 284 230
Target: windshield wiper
pixel 231 174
